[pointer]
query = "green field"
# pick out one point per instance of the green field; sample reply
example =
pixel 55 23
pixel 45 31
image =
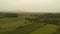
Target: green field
pixel 8 20
pixel 49 29
pixel 9 25
pixel 58 32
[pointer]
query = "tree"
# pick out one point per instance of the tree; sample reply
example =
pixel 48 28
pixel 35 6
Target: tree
pixel 11 15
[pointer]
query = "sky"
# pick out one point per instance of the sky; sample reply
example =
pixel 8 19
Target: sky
pixel 30 5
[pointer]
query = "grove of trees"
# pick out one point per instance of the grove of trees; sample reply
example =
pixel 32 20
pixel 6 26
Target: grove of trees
pixel 48 18
pixel 8 15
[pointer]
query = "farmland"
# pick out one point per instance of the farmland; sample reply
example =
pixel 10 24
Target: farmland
pixel 30 24
pixel 48 29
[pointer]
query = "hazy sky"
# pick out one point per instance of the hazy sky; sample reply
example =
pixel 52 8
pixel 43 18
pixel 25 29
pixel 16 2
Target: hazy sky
pixel 30 5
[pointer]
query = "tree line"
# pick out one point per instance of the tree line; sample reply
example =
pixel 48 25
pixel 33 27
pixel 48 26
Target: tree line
pixel 8 15
pixel 48 18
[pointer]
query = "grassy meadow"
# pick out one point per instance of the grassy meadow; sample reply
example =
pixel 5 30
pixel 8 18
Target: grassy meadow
pixel 34 25
pixel 48 29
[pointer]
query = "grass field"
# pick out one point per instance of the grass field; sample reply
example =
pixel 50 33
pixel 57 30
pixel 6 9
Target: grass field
pixel 8 20
pixel 9 25
pixel 58 32
pixel 49 29
pixel 26 29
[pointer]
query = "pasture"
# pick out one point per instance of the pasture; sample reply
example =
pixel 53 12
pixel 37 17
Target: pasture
pixel 48 29
pixel 10 24
pixel 13 26
pixel 7 24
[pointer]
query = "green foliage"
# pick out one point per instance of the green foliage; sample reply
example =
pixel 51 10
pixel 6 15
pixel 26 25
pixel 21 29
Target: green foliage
pixel 10 15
